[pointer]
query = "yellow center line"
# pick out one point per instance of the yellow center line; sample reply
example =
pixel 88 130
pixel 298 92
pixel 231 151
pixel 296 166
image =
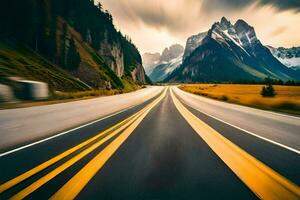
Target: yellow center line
pixel 7 185
pixel 112 132
pixel 50 162
pixel 37 184
pixel 73 187
pixel 261 179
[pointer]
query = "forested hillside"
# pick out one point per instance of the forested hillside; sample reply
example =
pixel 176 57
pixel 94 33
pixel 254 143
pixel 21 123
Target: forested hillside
pixel 73 35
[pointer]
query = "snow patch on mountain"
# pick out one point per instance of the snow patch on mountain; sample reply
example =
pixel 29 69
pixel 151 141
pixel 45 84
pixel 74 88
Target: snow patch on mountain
pixel 192 43
pixel 164 69
pixel 159 66
pixel 290 57
pixel 240 33
pixel 229 52
pixel 173 64
pixel 150 60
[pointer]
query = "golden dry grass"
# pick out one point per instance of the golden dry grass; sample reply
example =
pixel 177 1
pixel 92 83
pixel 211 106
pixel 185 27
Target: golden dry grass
pixel 287 98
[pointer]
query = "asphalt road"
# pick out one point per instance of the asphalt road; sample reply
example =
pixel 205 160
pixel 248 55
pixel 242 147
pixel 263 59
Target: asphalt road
pixel 163 148
pixel 25 125
pixel 280 128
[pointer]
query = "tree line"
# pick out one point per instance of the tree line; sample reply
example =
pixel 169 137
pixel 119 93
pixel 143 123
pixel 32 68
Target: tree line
pixel 33 23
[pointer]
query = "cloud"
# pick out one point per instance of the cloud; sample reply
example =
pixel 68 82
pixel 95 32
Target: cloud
pixel 278 31
pixel 173 14
pixel 155 24
pixel 164 14
pixel 283 4
pixel 237 4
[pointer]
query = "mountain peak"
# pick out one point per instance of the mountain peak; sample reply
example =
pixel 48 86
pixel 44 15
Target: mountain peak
pixel 171 52
pixel 241 25
pixel 245 32
pixel 231 53
pixel 225 22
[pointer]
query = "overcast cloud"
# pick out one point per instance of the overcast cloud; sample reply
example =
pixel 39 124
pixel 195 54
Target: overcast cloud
pixel 155 24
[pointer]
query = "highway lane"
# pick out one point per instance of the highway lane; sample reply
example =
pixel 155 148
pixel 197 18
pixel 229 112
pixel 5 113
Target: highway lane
pixel 279 128
pixel 27 125
pixel 16 163
pixel 165 159
pixel 154 153
pixel 280 159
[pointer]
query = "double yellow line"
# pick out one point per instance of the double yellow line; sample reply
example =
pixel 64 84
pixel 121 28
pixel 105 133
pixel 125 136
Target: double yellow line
pixel 261 179
pixel 72 188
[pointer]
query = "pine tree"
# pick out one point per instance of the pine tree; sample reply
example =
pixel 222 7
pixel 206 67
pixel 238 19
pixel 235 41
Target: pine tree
pixel 62 56
pixel 73 57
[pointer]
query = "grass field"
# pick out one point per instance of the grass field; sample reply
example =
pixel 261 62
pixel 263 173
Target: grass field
pixel 286 100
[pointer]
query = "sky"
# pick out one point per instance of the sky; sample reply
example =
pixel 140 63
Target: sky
pixel 156 24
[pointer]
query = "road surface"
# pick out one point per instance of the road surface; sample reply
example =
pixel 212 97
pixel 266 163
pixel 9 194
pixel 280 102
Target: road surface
pixel 21 126
pixel 171 146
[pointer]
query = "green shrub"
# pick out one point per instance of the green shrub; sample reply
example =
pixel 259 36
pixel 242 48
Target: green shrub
pixel 287 106
pixel 224 98
pixel 268 91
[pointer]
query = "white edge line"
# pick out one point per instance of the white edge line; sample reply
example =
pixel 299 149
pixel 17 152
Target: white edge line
pixel 249 132
pixel 63 133
pixel 266 111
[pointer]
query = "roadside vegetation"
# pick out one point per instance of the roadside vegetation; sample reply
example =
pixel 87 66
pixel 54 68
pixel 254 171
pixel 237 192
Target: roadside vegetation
pixel 63 97
pixel 287 98
pixel 94 93
pixel 268 91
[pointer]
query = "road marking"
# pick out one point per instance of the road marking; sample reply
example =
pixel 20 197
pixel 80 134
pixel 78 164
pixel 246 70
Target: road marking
pixel 63 133
pixel 73 187
pixel 40 182
pixel 261 179
pixel 50 162
pixel 251 133
pixel 252 108
pixel 107 134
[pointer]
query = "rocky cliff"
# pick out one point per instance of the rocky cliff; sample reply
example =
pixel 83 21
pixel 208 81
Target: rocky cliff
pixel 77 36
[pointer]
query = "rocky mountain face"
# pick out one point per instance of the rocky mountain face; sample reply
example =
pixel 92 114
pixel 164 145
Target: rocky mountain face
pixel 290 57
pixel 76 36
pixel 150 60
pixel 229 53
pixel 170 53
pixel 164 69
pixel 192 43
pixel 160 66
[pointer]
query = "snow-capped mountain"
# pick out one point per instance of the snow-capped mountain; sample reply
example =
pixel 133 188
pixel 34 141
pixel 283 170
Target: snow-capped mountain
pixel 150 60
pixel 171 53
pixel 192 43
pixel 166 63
pixel 164 69
pixel 290 57
pixel 229 53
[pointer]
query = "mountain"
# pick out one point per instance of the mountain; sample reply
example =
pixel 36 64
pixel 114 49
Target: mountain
pixel 150 60
pixel 170 53
pixel 167 62
pixel 192 43
pixel 229 53
pixel 67 44
pixel 164 69
pixel 290 57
